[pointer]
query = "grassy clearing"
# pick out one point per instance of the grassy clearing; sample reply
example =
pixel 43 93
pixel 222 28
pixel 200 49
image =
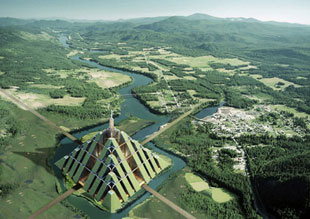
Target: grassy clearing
pixel 172 77
pixel 133 124
pixel 272 82
pixel 167 161
pixel 154 103
pixel 289 109
pixel 172 189
pixel 255 76
pixel 199 185
pixel 1 73
pixel 220 196
pixel 61 73
pixel 303 78
pixel 154 208
pixel 107 79
pixel 230 72
pixel 137 68
pixel 191 78
pixel 36 101
pixel 25 162
pixel 104 79
pixel 45 86
pixel 196 182
pixel 74 52
pixel 199 62
pixel 192 178
pixel 35 37
pixel 192 93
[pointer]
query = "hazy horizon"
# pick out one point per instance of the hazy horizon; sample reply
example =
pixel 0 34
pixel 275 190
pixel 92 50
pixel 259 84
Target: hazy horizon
pixel 281 11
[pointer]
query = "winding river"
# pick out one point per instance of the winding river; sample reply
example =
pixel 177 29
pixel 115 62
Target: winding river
pixel 130 106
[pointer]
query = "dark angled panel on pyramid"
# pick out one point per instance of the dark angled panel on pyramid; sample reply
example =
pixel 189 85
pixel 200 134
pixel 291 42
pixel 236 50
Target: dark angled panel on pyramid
pixel 111 167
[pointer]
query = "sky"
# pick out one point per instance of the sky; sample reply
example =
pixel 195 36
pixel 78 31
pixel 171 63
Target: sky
pixel 293 11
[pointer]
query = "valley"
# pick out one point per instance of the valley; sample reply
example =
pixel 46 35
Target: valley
pixel 250 150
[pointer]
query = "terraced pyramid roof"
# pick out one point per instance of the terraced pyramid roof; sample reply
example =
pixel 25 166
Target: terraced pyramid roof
pixel 111 167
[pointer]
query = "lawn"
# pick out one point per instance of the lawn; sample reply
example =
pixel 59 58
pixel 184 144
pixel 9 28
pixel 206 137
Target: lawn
pixel 199 185
pixel 196 182
pixel 220 196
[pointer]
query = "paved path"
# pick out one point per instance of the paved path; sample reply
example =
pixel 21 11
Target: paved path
pixel 55 201
pixel 169 125
pixel 167 202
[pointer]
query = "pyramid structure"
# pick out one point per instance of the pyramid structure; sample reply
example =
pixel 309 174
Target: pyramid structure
pixel 111 167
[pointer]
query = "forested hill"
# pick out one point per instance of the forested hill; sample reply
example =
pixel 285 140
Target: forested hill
pixel 200 34
pixel 243 33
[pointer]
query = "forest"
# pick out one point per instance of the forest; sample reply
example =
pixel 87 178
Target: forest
pixel 197 143
pixel 280 168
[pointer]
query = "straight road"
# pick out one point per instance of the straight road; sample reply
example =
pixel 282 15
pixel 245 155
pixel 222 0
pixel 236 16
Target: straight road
pixel 169 125
pixel 167 202
pixel 55 201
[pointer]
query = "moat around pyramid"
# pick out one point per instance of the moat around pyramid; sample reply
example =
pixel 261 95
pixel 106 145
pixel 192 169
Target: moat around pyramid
pixel 111 167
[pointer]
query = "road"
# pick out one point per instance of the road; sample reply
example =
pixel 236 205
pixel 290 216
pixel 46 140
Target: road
pixel 41 116
pixel 78 186
pixel 167 202
pixel 55 201
pixel 169 125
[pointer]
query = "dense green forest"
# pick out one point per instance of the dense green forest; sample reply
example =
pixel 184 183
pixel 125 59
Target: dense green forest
pixel 280 167
pixel 196 143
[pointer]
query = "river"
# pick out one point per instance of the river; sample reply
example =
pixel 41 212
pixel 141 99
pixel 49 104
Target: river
pixel 130 106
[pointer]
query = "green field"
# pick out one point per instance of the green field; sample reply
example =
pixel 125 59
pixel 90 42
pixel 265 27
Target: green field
pixel 154 208
pixel 41 100
pixel 174 189
pixel 290 110
pixel 25 164
pixel 199 185
pixel 272 82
